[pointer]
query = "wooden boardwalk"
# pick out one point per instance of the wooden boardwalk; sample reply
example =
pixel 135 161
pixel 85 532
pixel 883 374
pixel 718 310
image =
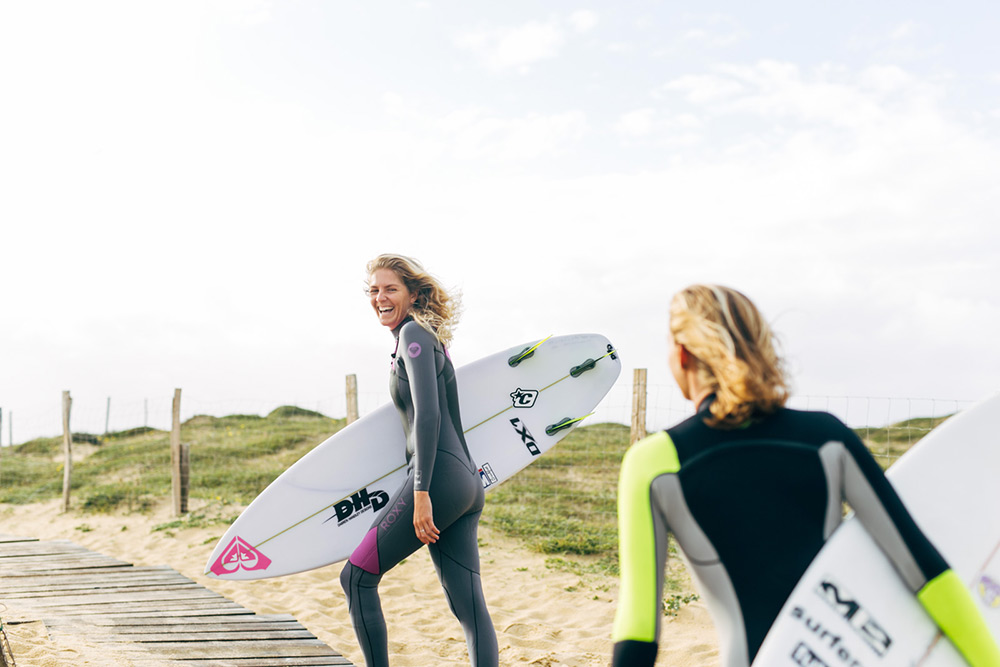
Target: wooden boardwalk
pixel 154 615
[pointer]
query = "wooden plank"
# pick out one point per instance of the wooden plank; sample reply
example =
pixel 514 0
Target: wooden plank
pixel 49 546
pixel 177 608
pixel 226 635
pixel 238 649
pixel 120 623
pixel 132 632
pixel 49 562
pixel 153 614
pixel 249 618
pixel 116 585
pixel 125 570
pixel 289 661
pixel 13 574
pixel 85 600
pixel 70 582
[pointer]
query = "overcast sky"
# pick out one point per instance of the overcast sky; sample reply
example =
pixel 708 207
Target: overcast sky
pixel 190 190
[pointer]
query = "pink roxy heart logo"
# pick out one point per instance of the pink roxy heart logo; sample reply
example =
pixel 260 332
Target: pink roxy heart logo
pixel 239 555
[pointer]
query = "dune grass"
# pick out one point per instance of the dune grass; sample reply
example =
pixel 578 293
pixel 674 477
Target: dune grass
pixel 563 505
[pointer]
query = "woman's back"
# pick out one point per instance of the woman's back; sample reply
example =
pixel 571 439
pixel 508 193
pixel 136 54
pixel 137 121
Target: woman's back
pixel 750 508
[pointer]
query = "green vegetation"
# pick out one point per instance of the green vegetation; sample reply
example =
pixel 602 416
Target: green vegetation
pixel 888 443
pixel 563 505
pixel 232 458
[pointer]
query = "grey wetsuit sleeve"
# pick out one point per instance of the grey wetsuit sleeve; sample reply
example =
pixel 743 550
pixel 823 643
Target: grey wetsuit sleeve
pixel 885 517
pixel 418 345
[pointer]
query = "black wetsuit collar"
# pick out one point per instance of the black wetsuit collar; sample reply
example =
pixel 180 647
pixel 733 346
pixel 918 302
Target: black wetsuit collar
pixel 705 405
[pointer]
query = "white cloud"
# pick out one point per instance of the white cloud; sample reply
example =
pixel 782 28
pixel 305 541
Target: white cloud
pixel 474 133
pixel 701 89
pixel 245 12
pixel 712 31
pixel 904 30
pixel 782 92
pixel 516 49
pixel 583 20
pixel 638 123
pixel 710 38
pixel 649 124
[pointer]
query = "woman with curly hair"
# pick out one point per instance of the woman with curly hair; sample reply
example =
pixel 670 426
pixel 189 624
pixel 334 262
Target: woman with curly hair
pixel 441 500
pixel 751 490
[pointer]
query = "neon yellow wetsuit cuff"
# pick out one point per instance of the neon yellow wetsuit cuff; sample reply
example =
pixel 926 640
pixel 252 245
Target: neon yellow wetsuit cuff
pixel 951 606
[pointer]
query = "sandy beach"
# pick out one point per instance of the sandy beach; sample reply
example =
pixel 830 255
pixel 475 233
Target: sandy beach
pixel 545 614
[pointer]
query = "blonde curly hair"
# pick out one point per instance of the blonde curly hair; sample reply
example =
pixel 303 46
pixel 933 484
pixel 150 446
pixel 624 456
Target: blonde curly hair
pixel 734 352
pixel 435 308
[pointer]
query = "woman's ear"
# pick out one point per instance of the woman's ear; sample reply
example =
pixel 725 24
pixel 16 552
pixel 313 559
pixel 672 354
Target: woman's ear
pixel 684 357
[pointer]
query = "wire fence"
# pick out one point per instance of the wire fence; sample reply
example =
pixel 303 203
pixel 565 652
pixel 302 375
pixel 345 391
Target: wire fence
pixel 906 417
pixel 122 454
pixel 889 425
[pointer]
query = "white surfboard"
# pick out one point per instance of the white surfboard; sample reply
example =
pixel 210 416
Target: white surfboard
pixel 515 405
pixel 852 608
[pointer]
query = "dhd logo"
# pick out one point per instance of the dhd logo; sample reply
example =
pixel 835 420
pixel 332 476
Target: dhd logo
pixel 358 503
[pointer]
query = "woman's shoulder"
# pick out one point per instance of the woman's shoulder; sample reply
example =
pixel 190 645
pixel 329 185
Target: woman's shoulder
pixel 819 423
pixel 414 337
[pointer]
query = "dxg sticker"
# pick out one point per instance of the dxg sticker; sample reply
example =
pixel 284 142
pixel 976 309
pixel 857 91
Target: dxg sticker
pixel 526 437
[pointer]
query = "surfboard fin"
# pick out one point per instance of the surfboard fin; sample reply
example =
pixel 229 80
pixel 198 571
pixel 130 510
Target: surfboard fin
pixel 552 429
pixel 526 352
pixel 589 364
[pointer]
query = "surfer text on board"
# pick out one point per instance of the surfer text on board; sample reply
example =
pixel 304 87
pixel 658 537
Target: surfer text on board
pixel 751 490
pixel 441 500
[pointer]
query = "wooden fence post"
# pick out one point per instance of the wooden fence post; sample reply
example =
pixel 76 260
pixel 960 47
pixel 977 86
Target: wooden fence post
pixel 67 403
pixel 638 405
pixel 352 398
pixel 176 464
pixel 185 476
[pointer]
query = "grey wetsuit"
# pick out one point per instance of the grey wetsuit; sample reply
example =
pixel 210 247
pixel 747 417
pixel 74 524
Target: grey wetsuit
pixel 424 390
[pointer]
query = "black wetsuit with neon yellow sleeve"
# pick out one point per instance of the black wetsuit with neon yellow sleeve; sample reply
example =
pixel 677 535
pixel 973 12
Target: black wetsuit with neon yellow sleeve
pixel 424 389
pixel 750 508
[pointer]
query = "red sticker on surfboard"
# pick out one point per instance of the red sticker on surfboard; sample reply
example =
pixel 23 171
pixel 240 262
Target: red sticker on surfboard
pixel 239 555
